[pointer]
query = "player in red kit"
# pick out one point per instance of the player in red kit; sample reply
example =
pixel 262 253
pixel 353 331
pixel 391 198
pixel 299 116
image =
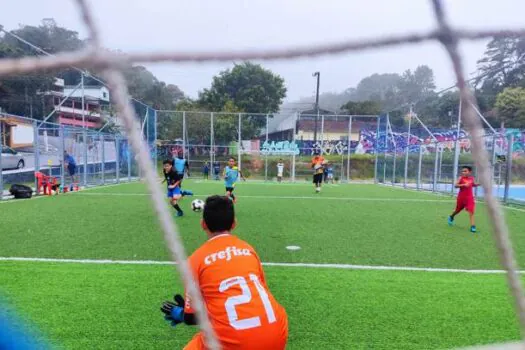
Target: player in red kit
pixel 465 199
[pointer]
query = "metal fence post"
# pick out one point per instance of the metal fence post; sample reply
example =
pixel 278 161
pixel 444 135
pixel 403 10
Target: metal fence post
pixel 440 164
pixel 508 177
pixel 419 163
pixel 103 165
pixel 129 160
pixel 155 149
pixel 266 152
pixel 407 149
pixel 61 156
pixel 457 148
pixel 394 165
pixel 211 139
pixel 434 180
pixel 1 171
pixel 386 149
pixel 322 134
pixel 493 159
pixel 117 159
pixel 184 136
pixel 36 146
pixel 349 151
pixel 239 143
pixel 294 146
pixel 376 151
pixel 85 156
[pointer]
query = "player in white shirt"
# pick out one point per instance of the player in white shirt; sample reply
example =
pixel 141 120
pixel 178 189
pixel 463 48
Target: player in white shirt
pixel 280 170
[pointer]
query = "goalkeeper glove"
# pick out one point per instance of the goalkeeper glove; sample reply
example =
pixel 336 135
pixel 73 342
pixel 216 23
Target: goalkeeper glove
pixel 174 312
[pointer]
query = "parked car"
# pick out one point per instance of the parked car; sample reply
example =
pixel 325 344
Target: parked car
pixel 11 159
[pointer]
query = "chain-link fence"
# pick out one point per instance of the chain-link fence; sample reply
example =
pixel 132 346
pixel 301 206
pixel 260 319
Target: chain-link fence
pixel 261 142
pixel 431 160
pixel 71 157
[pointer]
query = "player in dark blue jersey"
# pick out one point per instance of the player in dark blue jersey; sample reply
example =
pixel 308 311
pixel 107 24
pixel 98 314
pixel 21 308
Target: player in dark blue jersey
pixel 71 165
pixel 216 170
pixel 172 178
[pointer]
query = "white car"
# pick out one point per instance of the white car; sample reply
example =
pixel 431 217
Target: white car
pixel 11 159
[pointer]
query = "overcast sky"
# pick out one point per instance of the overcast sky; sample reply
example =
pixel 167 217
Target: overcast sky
pixel 136 25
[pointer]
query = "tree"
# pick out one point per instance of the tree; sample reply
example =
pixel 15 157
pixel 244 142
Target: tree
pixel 380 87
pixel 416 86
pixel 362 107
pixel 503 62
pixel 510 106
pixel 249 86
pixel 22 94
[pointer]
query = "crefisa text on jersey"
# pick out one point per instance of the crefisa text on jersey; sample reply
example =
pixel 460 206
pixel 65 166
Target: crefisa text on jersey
pixel 226 254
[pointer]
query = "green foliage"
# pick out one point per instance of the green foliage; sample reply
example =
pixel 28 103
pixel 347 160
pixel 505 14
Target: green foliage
pixel 251 88
pixel 510 105
pixel 21 94
pixel 362 108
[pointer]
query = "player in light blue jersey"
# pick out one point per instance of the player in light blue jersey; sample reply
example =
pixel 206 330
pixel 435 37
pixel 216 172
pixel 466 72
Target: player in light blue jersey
pixel 182 166
pixel 231 175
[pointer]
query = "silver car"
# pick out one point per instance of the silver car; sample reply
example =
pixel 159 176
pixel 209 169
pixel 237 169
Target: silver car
pixel 11 159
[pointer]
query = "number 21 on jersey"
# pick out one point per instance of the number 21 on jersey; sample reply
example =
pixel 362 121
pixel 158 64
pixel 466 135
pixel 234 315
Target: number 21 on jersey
pixel 245 298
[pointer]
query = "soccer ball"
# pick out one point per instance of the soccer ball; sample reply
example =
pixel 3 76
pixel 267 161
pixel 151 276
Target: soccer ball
pixel 197 205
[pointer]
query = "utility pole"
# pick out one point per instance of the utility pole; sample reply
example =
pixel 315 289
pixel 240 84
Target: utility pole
pixel 318 75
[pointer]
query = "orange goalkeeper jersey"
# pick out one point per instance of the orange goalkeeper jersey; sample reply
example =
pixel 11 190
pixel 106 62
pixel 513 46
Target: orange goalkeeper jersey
pixel 243 312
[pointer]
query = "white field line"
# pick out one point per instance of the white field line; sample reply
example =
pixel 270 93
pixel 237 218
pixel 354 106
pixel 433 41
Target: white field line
pixel 303 265
pixel 320 197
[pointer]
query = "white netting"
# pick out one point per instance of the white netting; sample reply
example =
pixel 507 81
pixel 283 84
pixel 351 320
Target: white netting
pixel 95 58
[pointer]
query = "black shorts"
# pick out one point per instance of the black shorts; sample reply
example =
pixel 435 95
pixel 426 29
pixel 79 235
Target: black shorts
pixel 318 178
pixel 179 178
pixel 230 189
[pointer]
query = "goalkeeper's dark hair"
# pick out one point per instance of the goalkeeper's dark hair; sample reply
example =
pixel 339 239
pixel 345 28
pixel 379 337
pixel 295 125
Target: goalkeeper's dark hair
pixel 167 161
pixel 468 167
pixel 219 214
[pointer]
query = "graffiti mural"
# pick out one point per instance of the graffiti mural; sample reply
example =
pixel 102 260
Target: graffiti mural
pixel 280 148
pixel 369 143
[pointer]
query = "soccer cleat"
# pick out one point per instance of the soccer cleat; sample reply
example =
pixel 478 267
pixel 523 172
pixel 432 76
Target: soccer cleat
pixel 180 213
pixel 450 221
pixel 473 229
pixel 186 193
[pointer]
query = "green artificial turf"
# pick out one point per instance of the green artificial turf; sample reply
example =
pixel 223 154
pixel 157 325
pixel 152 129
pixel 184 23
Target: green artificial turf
pixel 352 224
pixel 79 306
